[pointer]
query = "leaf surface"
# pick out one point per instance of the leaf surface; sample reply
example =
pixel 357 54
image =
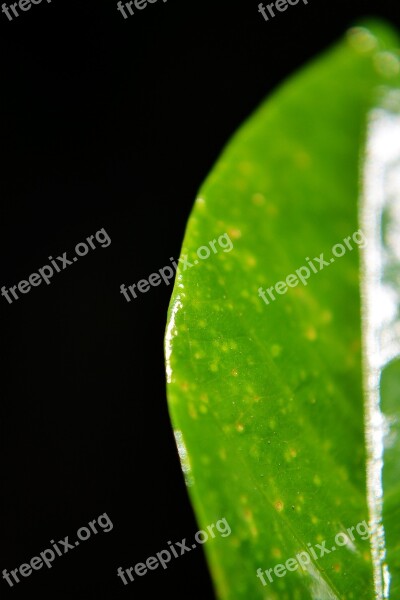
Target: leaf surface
pixel 266 397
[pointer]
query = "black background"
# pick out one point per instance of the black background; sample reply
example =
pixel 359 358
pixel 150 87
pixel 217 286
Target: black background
pixel 114 123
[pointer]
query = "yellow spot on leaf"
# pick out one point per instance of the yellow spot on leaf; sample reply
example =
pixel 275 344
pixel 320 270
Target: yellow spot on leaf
pixel 258 199
pixel 235 233
pixel 276 552
pixel 326 317
pixel 311 334
pixel 302 159
pixel 271 210
pixel 192 410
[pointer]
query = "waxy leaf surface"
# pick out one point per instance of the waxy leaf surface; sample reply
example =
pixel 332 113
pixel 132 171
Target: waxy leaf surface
pixel 266 396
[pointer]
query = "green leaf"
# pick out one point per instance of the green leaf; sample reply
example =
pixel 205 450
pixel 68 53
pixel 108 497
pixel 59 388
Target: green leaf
pixel 266 396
